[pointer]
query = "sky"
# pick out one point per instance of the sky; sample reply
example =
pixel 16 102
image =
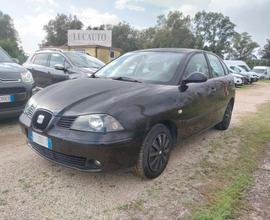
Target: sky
pixel 31 15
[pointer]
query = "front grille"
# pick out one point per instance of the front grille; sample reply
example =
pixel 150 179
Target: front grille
pixel 12 90
pixel 47 116
pixel 66 121
pixel 73 161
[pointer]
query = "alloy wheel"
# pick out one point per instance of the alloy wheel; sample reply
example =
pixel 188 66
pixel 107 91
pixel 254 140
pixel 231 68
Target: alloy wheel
pixel 158 152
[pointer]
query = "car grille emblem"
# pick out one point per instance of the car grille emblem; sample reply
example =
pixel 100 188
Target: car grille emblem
pixel 180 111
pixel 40 119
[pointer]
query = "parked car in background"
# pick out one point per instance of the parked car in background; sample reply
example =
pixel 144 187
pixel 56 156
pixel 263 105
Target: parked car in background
pixel 241 67
pixel 16 86
pixel 132 112
pixel 237 70
pixel 238 79
pixel 50 66
pixel 263 70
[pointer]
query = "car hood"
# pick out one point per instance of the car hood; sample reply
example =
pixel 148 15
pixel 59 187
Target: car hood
pixel 10 71
pixel 82 73
pixel 237 75
pixel 253 73
pixel 89 70
pixel 84 96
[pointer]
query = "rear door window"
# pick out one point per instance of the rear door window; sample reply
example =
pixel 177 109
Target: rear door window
pixel 216 66
pixel 41 59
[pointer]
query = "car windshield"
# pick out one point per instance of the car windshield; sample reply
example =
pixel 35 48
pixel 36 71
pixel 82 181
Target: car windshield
pixel 83 60
pixel 245 68
pixel 143 66
pixel 259 70
pixel 4 57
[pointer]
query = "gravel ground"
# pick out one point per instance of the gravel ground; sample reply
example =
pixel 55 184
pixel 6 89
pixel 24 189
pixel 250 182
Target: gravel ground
pixel 33 188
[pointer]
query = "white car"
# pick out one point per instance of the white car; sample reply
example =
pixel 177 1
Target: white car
pixel 238 79
pixel 237 69
pixel 244 67
pixel 263 70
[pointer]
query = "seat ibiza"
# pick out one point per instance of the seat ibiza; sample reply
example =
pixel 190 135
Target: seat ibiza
pixel 132 112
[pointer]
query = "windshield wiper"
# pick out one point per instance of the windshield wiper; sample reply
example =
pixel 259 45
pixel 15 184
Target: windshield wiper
pixel 124 78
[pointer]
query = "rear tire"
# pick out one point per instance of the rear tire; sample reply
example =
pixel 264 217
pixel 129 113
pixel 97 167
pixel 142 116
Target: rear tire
pixel 155 152
pixel 225 123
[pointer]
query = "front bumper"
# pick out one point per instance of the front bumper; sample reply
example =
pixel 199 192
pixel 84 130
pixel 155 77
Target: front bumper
pixel 95 154
pixel 21 93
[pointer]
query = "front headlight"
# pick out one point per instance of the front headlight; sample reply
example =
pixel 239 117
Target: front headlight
pixel 27 77
pixel 97 123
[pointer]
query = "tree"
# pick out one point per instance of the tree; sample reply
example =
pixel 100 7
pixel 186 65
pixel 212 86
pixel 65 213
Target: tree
pixel 7 30
pixel 242 47
pixel 266 50
pixel 56 29
pixel 124 37
pixel 146 37
pixel 213 31
pixel 9 39
pixel 174 30
pixel 101 27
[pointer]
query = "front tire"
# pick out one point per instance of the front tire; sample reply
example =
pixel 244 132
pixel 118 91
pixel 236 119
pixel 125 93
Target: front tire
pixel 225 123
pixel 155 152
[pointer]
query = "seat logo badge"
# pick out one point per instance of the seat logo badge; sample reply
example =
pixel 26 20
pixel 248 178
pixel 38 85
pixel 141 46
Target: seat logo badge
pixel 180 111
pixel 40 119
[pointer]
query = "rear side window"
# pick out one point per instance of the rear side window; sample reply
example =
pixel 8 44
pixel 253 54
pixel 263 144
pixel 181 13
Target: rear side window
pixel 57 59
pixel 197 63
pixel 41 59
pixel 216 66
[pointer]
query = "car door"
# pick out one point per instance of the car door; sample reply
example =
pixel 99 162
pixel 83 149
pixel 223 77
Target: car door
pixel 223 84
pixel 39 69
pixel 197 100
pixel 55 74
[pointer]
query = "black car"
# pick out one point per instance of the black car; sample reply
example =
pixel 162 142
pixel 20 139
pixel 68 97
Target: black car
pixel 132 112
pixel 49 66
pixel 16 85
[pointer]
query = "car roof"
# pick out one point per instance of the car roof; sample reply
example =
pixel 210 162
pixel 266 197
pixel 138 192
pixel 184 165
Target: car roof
pixel 261 67
pixel 173 50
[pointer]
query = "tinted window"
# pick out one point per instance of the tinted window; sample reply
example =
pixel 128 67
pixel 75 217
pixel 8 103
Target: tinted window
pixel 225 68
pixel 83 60
pixel 245 68
pixel 236 69
pixel 57 59
pixel 259 70
pixel 41 59
pixel 197 63
pixel 216 66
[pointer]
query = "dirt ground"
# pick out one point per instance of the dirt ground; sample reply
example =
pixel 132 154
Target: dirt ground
pixel 258 195
pixel 33 188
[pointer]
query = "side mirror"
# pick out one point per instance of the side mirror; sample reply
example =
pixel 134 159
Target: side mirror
pixel 60 67
pixel 15 60
pixel 196 77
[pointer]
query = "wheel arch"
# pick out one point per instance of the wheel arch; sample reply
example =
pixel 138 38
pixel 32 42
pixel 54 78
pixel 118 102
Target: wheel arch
pixel 232 101
pixel 172 128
